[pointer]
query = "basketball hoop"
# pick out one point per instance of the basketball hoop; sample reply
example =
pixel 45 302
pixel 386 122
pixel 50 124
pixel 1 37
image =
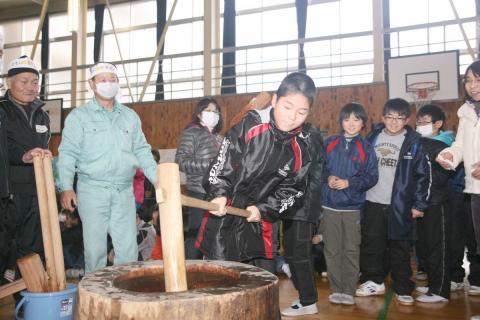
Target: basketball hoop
pixel 422 92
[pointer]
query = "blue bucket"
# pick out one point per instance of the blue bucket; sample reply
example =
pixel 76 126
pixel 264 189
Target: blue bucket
pixel 48 305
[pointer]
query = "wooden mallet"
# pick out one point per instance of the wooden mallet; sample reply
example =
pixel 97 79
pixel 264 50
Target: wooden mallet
pixel 170 201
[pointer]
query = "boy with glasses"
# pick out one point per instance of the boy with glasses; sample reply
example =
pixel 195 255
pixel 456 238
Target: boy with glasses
pixel 393 204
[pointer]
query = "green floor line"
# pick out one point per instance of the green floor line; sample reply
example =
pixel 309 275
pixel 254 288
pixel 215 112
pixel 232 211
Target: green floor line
pixel 382 315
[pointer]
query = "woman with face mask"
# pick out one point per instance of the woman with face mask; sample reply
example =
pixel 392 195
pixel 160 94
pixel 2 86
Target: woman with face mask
pixel 198 146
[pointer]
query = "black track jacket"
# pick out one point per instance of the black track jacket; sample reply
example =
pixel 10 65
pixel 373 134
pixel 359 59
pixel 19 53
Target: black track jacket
pixel 258 165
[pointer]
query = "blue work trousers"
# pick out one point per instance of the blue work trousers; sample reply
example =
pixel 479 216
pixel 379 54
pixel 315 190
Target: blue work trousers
pixel 107 209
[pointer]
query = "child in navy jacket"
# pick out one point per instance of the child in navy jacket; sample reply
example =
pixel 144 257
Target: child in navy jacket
pixel 351 168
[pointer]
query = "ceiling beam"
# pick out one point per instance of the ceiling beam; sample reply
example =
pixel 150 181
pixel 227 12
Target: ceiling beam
pixel 14 10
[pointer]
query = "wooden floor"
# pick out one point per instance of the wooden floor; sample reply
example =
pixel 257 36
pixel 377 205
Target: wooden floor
pixel 459 307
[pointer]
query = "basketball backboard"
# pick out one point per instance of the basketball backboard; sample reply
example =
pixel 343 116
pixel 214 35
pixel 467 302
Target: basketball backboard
pixel 438 72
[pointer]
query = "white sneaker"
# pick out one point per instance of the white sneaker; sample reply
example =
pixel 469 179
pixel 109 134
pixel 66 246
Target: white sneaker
pixel 370 288
pixel 286 270
pixel 431 298
pixel 421 276
pixel 405 300
pixel 335 298
pixel 9 275
pixel 299 310
pixel 455 286
pixel 348 299
pixel 474 291
pixel 422 289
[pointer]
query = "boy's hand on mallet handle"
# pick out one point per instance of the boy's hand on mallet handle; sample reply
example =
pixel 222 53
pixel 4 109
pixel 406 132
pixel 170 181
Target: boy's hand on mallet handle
pixel 221 202
pixel 445 159
pixel 417 214
pixel 255 215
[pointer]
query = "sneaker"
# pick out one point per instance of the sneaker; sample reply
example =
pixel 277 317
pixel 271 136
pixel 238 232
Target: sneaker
pixel 455 286
pixel 421 276
pixel 74 273
pixel 431 298
pixel 422 289
pixel 286 270
pixel 335 298
pixel 477 317
pixel 9 275
pixel 405 300
pixel 298 310
pixel 348 299
pixel 474 291
pixel 370 288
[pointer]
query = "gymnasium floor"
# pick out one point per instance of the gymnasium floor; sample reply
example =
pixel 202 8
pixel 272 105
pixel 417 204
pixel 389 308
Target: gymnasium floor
pixel 460 306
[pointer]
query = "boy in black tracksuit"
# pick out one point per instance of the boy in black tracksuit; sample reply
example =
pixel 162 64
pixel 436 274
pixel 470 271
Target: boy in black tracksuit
pixel 393 204
pixel 434 228
pixel 264 165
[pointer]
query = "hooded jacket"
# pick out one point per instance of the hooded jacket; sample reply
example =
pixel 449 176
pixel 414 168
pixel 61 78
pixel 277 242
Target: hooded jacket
pixel 24 133
pixel 411 186
pixel 260 165
pixel 466 147
pixel 196 150
pixel 355 161
pixel 440 177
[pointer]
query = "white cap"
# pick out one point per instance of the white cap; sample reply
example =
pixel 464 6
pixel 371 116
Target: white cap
pixel 20 65
pixel 102 67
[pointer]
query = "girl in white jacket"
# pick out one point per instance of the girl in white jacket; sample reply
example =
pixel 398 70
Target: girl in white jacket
pixel 466 148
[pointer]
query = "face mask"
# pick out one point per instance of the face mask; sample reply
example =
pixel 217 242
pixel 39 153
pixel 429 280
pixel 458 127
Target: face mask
pixel 108 90
pixel 425 130
pixel 210 118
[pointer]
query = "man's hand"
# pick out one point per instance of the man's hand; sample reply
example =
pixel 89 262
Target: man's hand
pixel 28 156
pixel 68 200
pixel 417 214
pixel 221 202
pixel 476 170
pixel 255 215
pixel 445 159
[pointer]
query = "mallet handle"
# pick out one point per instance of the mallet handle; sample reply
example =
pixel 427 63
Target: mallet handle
pixel 196 203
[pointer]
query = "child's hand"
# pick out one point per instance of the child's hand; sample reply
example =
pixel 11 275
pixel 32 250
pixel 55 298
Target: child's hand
pixel 331 181
pixel 476 170
pixel 221 202
pixel 255 215
pixel 445 159
pixel 316 239
pixel 417 214
pixel 337 183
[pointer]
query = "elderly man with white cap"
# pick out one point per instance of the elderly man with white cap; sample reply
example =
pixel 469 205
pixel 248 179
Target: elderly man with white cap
pixel 27 133
pixel 103 143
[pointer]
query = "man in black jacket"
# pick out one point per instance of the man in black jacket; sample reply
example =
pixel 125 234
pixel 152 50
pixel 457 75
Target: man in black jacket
pixel 5 217
pixel 28 133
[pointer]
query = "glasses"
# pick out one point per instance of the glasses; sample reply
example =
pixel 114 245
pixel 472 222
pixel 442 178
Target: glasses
pixel 395 119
